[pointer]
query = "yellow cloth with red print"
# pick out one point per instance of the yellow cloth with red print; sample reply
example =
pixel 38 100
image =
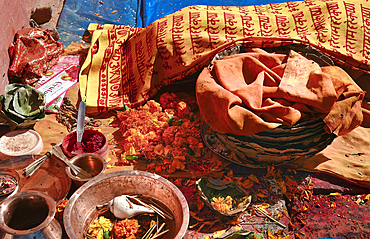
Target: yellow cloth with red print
pixel 127 65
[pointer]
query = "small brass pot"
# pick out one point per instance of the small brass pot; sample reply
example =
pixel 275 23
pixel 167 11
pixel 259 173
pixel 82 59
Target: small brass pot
pixel 29 214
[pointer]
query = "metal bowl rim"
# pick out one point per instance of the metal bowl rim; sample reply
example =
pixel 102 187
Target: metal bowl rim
pixel 79 191
pixel 94 155
pixel 49 201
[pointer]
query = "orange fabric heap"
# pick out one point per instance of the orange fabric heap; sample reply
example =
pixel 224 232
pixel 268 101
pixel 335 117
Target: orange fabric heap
pixel 251 92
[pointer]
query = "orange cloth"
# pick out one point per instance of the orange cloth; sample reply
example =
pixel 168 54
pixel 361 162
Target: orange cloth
pixel 251 92
pixel 347 158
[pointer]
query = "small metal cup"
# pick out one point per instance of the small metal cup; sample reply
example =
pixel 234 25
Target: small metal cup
pixel 90 162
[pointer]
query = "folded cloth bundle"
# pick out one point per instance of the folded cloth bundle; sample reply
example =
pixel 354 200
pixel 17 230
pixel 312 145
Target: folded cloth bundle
pixel 33 52
pixel 252 92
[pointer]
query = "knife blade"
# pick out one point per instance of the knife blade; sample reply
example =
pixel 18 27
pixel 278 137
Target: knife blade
pixel 80 121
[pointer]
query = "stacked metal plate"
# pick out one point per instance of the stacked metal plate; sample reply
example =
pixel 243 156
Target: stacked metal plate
pixel 274 147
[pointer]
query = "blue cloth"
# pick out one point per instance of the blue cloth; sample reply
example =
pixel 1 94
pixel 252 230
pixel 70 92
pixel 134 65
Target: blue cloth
pixel 77 15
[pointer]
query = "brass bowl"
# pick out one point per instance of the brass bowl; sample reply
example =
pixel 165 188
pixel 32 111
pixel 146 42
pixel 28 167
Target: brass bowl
pixel 92 163
pixel 81 207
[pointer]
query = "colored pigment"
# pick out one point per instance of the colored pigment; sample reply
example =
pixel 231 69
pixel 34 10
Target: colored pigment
pixel 7 184
pixel 89 144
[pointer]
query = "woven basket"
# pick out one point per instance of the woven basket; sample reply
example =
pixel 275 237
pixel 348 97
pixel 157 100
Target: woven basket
pixel 272 147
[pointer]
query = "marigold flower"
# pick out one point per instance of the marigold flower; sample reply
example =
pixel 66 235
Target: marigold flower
pixel 222 204
pixel 162 125
pixel 126 228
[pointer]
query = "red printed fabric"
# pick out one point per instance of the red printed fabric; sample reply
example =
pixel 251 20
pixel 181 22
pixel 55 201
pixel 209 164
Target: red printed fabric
pixel 33 52
pixel 128 66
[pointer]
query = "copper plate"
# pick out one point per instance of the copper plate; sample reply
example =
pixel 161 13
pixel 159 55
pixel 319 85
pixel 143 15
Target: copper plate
pixel 51 178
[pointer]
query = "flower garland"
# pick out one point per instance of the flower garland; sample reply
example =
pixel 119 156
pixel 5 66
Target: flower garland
pixel 166 133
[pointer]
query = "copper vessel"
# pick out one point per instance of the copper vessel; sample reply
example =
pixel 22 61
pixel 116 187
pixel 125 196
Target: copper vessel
pixel 81 208
pixel 92 163
pixel 28 215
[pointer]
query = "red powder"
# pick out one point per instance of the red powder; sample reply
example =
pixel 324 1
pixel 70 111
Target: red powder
pixel 90 144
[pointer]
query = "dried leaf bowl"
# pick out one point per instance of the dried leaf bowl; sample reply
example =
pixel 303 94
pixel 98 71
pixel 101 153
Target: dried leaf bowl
pixel 209 188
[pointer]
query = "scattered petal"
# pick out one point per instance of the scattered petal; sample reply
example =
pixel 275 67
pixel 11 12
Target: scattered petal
pixel 254 178
pixel 335 194
pixel 260 195
pixel 218 233
pixel 367 197
pixel 237 228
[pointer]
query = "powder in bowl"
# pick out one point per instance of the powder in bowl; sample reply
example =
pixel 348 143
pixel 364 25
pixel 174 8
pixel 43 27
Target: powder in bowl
pixel 20 142
pixel 90 144
pixel 93 141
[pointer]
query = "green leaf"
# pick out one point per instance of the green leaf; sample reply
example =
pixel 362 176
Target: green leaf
pixel 191 118
pixel 170 119
pixel 131 157
pixel 180 122
pixel 22 105
pixel 28 102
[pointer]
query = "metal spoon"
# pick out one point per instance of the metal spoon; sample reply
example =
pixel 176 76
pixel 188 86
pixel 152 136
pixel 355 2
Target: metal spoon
pixel 80 124
pixel 57 151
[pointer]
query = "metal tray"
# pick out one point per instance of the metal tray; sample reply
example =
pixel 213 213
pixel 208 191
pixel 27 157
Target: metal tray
pixel 51 178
